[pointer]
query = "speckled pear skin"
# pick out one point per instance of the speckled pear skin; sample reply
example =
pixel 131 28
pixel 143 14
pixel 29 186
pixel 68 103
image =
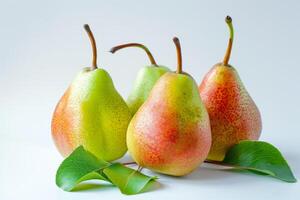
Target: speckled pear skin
pixel 232 112
pixel 170 133
pixel 143 84
pixel 93 114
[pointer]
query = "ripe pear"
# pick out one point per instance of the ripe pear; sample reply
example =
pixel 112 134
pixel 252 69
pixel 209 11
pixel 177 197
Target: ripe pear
pixel 91 113
pixel 232 112
pixel 170 133
pixel 146 78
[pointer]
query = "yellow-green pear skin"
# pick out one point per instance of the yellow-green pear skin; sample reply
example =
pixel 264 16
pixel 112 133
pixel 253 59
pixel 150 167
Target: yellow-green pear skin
pixel 170 133
pixel 93 114
pixel 143 84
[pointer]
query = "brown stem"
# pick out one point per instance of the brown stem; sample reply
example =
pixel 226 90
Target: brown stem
pixel 217 163
pixel 179 57
pixel 94 47
pixel 140 168
pixel 129 163
pixel 229 47
pixel 151 58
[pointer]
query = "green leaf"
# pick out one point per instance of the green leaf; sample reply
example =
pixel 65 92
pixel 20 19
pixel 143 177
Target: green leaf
pixel 259 157
pixel 128 180
pixel 80 166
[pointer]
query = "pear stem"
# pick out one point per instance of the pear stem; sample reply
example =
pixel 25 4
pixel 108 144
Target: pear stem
pixel 151 58
pixel 94 47
pixel 228 20
pixel 179 56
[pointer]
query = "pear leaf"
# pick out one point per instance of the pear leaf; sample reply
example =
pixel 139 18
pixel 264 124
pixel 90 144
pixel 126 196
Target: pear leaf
pixel 79 166
pixel 128 180
pixel 260 158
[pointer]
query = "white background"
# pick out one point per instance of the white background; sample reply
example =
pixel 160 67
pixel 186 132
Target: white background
pixel 43 46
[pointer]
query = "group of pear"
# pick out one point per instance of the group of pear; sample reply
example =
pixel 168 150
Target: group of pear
pixel 169 124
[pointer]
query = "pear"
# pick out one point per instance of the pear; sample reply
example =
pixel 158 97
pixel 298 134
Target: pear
pixel 170 133
pixel 146 78
pixel 91 113
pixel 232 112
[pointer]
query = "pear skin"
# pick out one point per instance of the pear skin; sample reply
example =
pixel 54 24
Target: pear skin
pixel 146 78
pixel 170 133
pixel 233 114
pixel 93 114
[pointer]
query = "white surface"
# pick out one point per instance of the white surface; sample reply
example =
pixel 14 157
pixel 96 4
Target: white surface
pixel 43 46
pixel 28 172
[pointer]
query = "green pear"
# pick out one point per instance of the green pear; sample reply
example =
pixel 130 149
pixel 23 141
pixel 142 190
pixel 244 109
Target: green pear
pixel 146 78
pixel 92 113
pixel 170 133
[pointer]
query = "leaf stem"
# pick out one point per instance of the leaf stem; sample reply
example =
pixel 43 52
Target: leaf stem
pixel 140 168
pixel 206 161
pixel 217 163
pixel 129 163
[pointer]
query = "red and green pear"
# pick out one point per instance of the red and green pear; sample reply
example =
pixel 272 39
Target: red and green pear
pixel 170 133
pixel 91 113
pixel 233 114
pixel 146 78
